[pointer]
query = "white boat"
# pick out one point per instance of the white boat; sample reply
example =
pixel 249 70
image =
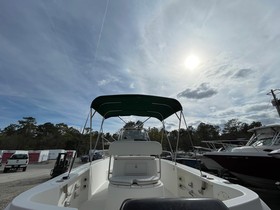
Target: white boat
pixel 134 176
pixel 264 139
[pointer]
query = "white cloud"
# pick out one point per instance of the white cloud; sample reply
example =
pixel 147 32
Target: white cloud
pixel 203 91
pixel 103 82
pixel 48 56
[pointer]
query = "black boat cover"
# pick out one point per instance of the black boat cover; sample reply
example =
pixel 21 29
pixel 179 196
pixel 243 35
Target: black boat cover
pixel 136 104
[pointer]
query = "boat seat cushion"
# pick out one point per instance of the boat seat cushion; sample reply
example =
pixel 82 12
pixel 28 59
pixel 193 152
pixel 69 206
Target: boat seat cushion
pixel 121 180
pixel 134 162
pixel 134 170
pixel 123 148
pixel 129 180
pixel 145 166
pixel 173 204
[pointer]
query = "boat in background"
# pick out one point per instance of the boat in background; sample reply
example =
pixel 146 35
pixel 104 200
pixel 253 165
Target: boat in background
pixel 211 165
pixel 264 139
pixel 185 158
pixel 134 175
pixel 276 154
pixel 254 163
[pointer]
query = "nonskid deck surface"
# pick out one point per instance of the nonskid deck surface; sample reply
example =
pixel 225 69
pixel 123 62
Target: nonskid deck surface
pixel 99 199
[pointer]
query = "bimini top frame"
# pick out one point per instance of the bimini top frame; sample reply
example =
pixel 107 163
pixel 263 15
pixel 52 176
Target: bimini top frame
pixel 137 105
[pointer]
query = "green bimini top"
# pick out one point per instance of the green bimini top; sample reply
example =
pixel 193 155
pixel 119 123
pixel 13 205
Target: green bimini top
pixel 135 104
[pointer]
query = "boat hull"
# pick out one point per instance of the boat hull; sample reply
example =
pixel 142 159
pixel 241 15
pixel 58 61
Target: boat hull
pixel 256 169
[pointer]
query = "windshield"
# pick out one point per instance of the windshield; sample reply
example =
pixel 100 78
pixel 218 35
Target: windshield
pixel 134 135
pixel 19 156
pixel 263 142
pixel 265 139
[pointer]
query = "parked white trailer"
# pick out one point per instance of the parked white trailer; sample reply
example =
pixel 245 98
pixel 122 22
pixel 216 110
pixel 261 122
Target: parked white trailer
pixel 37 156
pixel 53 153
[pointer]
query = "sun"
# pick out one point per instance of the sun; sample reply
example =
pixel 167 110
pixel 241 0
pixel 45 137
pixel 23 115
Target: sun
pixel 192 62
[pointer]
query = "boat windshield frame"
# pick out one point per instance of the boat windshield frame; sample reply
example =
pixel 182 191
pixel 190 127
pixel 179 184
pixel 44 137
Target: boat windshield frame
pixel 265 135
pixel 133 134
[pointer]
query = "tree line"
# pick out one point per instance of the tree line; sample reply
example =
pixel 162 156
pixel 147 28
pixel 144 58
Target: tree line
pixel 27 135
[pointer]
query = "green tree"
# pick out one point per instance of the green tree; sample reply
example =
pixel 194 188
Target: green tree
pixel 27 126
pixel 207 132
pixel 10 130
pixel 47 135
pixel 154 134
pixel 232 129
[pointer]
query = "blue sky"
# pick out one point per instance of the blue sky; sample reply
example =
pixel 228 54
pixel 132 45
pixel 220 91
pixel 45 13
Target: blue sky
pixel 57 56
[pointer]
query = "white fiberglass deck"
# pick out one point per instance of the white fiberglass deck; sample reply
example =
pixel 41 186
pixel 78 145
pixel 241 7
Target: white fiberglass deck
pixel 103 199
pixel 88 188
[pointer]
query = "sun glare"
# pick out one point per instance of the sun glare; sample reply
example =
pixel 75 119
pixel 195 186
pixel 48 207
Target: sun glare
pixel 192 62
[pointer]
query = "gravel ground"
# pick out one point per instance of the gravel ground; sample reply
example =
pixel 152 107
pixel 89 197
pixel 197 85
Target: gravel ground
pixel 14 183
pixel 9 190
